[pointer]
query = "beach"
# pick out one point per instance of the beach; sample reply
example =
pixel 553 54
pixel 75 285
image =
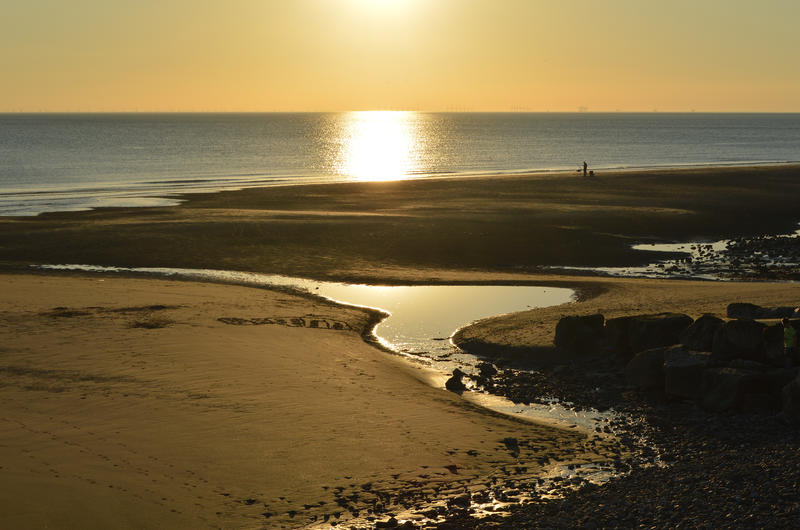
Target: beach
pixel 128 403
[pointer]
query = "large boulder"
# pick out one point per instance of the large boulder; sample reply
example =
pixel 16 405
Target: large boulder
pixel 763 391
pixel 580 334
pixel 724 388
pixel 778 312
pixel 739 339
pixel 618 336
pixel 790 395
pixel 654 331
pixel 743 310
pixel 683 372
pixel 745 384
pixel 746 311
pixel 772 380
pixel 700 335
pixel 630 335
pixel 646 369
pixel 773 345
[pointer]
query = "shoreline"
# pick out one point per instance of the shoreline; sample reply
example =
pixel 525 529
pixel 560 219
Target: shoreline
pixel 178 197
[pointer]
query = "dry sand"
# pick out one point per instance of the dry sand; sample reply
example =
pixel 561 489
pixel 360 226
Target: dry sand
pixel 127 404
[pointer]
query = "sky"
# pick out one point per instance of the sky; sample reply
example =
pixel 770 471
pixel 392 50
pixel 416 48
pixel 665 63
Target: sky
pixel 436 55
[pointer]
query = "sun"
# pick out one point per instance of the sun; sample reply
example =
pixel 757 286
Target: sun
pixel 382 5
pixel 380 146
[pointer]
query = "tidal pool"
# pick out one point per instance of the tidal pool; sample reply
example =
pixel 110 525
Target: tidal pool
pixel 421 321
pixel 706 260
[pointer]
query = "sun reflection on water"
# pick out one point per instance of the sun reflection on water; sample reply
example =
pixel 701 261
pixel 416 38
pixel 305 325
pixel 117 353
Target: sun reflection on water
pixel 380 145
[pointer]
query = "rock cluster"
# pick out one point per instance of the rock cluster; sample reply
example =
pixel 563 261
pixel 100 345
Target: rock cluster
pixel 767 257
pixel 733 365
pixel 724 472
pixel 700 404
pixel 624 336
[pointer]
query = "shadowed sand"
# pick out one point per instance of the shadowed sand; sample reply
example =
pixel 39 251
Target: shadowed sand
pixel 126 403
pixel 376 231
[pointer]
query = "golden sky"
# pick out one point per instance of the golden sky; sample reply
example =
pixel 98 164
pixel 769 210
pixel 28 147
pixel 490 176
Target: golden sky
pixel 477 55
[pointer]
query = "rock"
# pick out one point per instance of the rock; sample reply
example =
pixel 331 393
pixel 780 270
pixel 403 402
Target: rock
pixel 758 403
pixel 629 335
pixel 646 369
pixel 778 312
pixel 390 523
pixel 763 390
pixel 617 336
pixel 745 384
pixel 486 370
pixel 742 310
pixel 724 387
pixel 744 364
pixel 747 311
pixel 773 344
pixel 772 380
pixel 512 444
pixel 683 372
pixel 461 501
pixel 700 335
pixel 658 330
pixel 580 334
pixel 739 339
pixel 790 395
pixel 455 384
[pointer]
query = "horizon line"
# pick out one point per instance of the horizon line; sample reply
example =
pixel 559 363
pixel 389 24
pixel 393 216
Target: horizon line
pixel 450 111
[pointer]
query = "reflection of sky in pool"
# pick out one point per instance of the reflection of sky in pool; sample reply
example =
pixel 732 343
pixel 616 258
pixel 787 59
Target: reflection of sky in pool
pixel 422 317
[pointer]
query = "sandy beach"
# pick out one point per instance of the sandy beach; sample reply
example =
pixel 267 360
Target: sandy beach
pixel 127 402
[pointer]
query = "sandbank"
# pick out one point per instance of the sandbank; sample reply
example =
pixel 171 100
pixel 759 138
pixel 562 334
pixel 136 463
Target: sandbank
pixel 408 230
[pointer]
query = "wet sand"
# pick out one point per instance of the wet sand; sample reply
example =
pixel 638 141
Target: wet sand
pixel 408 230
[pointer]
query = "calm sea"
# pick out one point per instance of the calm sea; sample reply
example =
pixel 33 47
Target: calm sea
pixel 63 162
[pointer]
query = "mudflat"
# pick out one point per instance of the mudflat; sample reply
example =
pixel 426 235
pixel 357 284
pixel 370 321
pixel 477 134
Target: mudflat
pixel 407 230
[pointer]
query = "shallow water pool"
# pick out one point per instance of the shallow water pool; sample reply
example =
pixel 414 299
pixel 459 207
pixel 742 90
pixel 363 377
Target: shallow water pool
pixel 421 321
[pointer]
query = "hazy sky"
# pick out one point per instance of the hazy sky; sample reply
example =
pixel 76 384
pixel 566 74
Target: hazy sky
pixel 263 55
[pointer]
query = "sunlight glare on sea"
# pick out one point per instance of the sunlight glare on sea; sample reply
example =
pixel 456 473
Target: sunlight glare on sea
pixel 380 145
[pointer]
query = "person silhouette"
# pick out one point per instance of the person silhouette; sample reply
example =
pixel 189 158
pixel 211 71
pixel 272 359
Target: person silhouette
pixel 585 167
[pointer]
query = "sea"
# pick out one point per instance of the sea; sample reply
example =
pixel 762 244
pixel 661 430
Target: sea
pixel 72 162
